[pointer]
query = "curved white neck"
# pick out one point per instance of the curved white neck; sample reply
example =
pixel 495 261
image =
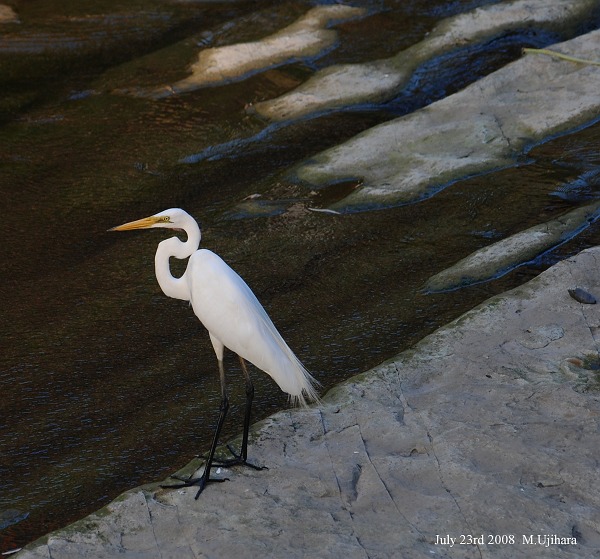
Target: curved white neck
pixel 173 247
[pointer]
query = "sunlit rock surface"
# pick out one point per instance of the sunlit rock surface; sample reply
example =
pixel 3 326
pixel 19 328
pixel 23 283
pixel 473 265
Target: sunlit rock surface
pixel 306 37
pixel 501 257
pixel 8 15
pixel 372 82
pixel 481 128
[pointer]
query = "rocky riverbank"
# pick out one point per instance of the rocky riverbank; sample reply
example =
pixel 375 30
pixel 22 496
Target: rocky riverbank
pixel 486 432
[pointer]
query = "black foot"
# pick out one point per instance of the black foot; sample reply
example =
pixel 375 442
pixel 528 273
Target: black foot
pixel 237 460
pixel 201 482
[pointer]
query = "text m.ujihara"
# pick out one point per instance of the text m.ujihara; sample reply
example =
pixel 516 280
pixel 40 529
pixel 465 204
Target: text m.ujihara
pixel 546 540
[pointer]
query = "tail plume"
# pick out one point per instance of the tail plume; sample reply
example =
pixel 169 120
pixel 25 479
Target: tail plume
pixel 307 384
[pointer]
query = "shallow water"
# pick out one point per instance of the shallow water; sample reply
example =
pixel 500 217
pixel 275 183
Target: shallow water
pixel 105 383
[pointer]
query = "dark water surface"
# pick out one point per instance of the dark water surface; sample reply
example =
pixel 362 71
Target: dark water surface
pixel 105 383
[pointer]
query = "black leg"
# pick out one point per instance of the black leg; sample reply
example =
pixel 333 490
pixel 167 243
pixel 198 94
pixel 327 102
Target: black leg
pixel 249 398
pixel 242 457
pixel 205 477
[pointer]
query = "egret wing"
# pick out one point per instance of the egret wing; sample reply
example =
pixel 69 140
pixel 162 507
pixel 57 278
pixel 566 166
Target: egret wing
pixel 231 312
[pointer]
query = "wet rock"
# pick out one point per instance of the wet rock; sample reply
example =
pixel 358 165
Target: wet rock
pixel 441 440
pixel 11 516
pixel 582 296
pixel 481 128
pixel 499 258
pixel 373 82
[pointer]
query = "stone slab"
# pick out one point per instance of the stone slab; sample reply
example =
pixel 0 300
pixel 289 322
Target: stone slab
pixel 485 126
pixel 344 85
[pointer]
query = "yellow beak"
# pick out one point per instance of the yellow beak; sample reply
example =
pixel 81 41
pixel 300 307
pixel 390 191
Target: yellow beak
pixel 139 224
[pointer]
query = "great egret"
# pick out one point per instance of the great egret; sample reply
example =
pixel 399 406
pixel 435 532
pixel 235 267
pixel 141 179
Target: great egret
pixel 234 319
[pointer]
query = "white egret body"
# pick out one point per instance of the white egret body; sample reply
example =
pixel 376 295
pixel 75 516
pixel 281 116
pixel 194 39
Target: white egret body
pixel 231 313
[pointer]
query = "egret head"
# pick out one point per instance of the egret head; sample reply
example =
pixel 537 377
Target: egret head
pixel 175 218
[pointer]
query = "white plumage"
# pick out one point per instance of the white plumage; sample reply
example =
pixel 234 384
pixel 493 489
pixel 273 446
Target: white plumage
pixel 235 319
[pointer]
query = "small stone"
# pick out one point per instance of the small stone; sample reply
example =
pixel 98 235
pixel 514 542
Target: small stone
pixel 582 296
